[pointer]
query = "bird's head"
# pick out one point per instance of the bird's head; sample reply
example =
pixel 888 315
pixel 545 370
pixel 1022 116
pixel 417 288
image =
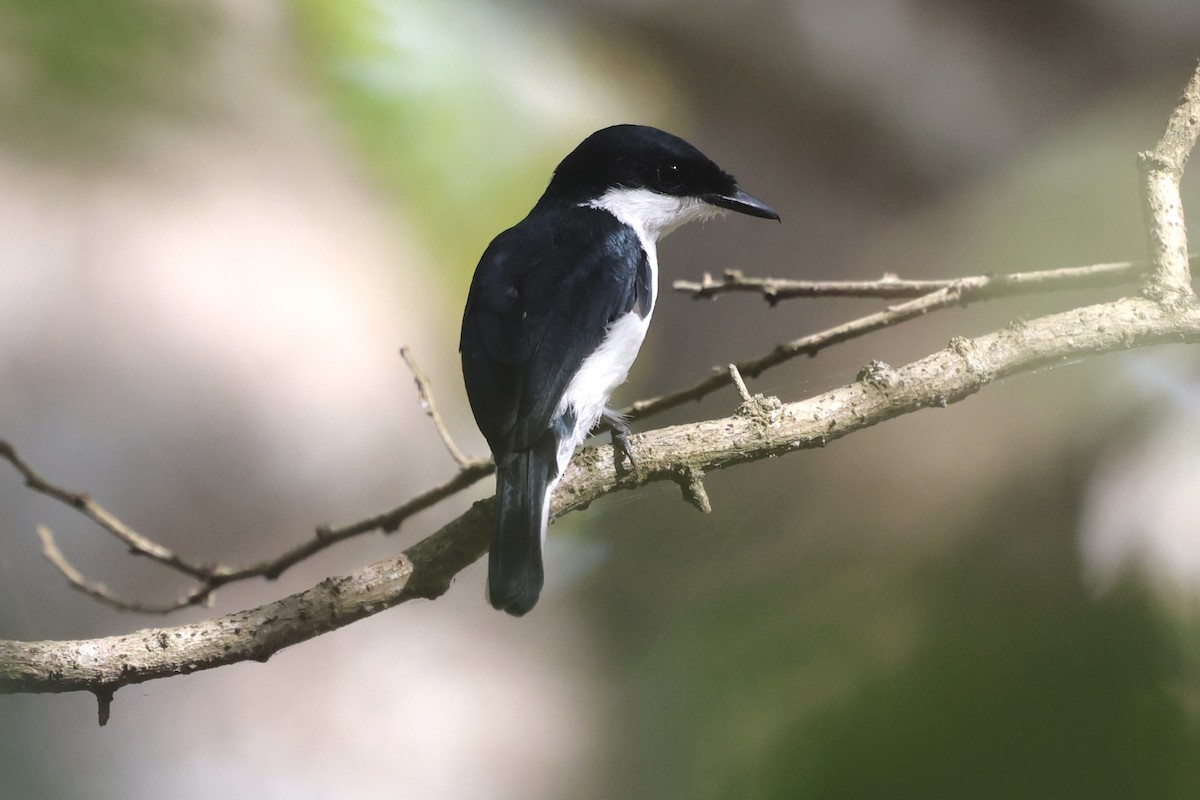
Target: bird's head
pixel 649 179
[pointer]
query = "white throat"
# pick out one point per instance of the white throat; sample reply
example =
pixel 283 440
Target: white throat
pixel 650 214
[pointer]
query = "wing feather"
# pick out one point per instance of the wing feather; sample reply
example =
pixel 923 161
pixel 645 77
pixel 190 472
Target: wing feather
pixel 542 297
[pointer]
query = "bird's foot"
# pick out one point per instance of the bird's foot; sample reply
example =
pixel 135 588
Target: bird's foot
pixel 620 440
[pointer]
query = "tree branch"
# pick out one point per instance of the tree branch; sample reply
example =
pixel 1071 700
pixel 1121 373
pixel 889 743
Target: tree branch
pixel 765 429
pixel 137 544
pixel 1162 168
pixel 948 294
pixel 105 596
pixel 212 577
pixel 941 294
pixel 972 289
pixel 761 428
pixel 425 394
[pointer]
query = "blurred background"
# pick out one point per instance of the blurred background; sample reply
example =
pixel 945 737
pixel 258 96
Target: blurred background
pixel 221 220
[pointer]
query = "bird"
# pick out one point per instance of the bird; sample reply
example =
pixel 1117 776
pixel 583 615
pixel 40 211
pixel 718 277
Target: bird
pixel 557 310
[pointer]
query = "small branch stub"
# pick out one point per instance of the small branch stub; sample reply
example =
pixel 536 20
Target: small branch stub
pixel 736 376
pixel 104 698
pixel 691 482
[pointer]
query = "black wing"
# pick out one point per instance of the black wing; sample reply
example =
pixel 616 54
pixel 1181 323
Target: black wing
pixel 542 296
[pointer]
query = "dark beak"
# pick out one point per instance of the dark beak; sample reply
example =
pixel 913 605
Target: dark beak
pixel 742 203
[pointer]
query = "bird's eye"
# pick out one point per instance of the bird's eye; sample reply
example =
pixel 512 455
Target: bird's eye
pixel 670 176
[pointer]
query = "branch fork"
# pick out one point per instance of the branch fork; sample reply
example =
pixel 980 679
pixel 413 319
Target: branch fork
pixel 1170 281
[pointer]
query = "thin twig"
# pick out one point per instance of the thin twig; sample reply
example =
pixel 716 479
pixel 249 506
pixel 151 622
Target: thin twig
pixel 387 522
pixel 137 543
pixel 101 593
pixel 949 294
pixel 209 579
pixel 981 287
pixel 806 345
pixel 425 391
pixel 470 471
pixel 740 384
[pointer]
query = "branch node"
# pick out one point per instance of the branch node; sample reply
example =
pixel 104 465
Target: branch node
pixel 691 483
pixel 1169 282
pixel 1152 160
pixel 762 409
pixel 879 374
pixel 976 365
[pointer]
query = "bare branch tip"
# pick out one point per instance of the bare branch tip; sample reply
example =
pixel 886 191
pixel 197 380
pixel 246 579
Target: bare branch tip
pixel 52 553
pixel 736 376
pixel 425 395
pixel 101 593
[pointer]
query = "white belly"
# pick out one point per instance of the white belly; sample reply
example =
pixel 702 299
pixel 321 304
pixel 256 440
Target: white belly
pixel 651 216
pixel 588 392
pixel 602 372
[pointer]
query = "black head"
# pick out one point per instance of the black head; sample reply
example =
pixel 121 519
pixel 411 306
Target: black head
pixel 641 157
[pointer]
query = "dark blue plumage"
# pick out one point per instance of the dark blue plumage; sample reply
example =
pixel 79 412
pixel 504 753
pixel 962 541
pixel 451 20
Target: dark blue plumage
pixel 543 295
pixel 557 310
pixel 545 292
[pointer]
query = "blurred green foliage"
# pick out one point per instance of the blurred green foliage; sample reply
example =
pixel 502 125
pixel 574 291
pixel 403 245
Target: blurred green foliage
pixel 850 670
pixel 807 641
pixel 461 109
pixel 75 75
pixel 1020 686
pixel 814 669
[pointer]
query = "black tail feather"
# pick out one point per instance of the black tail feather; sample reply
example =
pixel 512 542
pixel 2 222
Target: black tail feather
pixel 515 573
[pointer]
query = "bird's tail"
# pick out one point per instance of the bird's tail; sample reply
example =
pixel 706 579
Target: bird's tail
pixel 523 485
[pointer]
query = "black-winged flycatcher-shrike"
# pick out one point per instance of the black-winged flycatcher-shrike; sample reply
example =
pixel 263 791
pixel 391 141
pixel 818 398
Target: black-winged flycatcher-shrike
pixel 556 313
